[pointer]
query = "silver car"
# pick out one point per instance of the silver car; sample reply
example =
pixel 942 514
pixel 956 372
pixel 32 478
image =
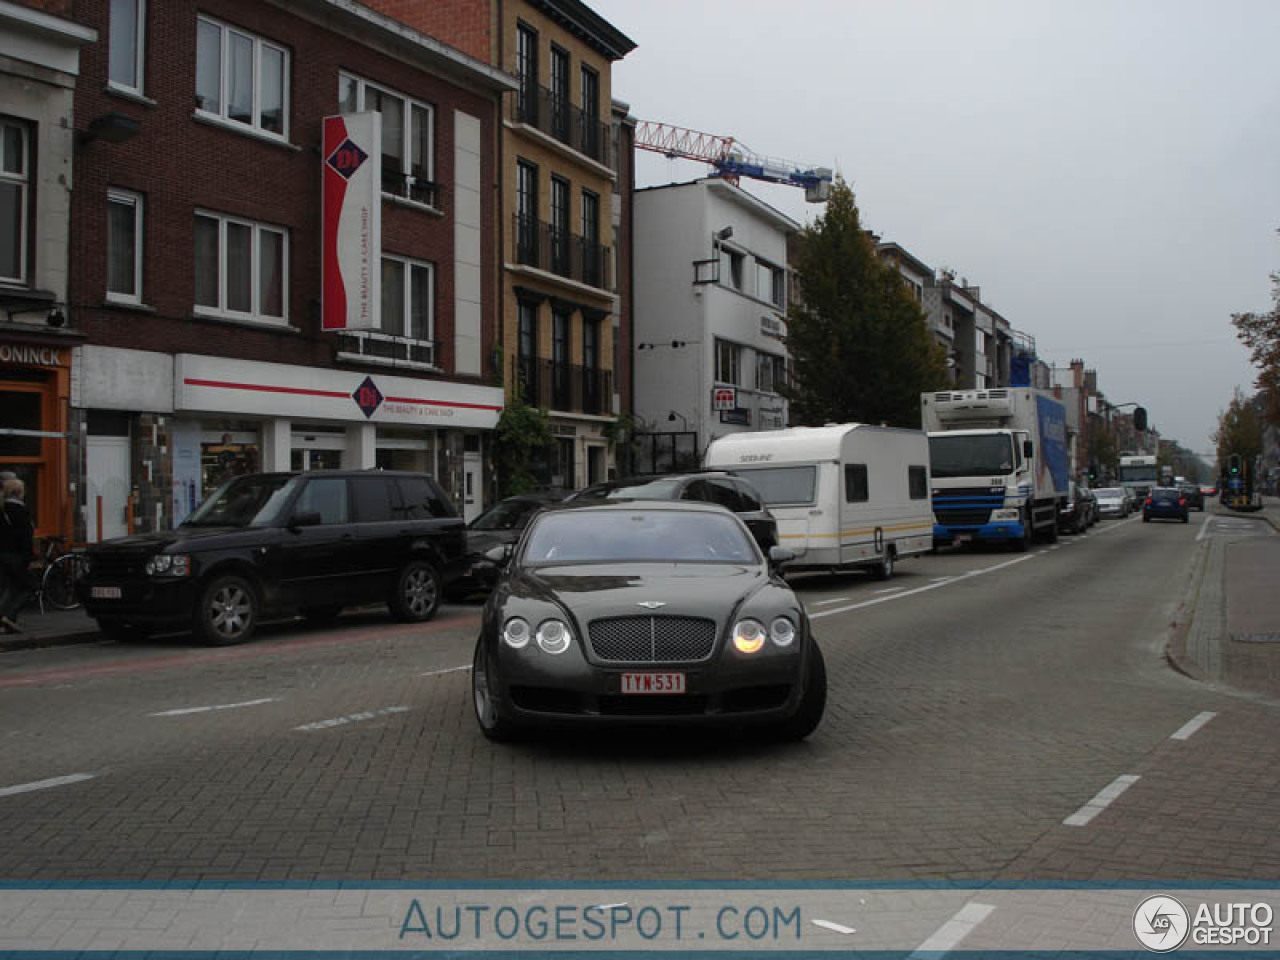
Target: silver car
pixel 1113 501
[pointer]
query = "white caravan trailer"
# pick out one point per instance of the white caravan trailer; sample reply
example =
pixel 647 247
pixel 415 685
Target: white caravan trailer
pixel 844 495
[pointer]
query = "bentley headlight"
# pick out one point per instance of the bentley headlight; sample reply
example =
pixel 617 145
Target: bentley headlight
pixel 782 632
pixel 169 565
pixel 554 636
pixel 516 633
pixel 748 635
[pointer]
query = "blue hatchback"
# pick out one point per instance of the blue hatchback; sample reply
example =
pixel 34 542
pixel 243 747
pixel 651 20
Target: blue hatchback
pixel 1165 503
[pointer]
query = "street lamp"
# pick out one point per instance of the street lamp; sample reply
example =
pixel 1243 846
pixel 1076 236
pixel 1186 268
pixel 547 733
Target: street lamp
pixel 684 422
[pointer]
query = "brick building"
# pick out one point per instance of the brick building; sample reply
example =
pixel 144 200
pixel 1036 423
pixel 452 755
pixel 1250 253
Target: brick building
pixel 197 258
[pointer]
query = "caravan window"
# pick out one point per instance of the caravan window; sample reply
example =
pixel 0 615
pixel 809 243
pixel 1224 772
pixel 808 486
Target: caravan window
pixel 918 483
pixel 855 483
pixel 783 486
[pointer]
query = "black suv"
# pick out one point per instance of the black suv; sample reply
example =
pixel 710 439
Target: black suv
pixel 711 486
pixel 271 544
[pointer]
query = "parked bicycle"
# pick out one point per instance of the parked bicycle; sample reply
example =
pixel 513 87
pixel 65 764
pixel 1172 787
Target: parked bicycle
pixel 56 577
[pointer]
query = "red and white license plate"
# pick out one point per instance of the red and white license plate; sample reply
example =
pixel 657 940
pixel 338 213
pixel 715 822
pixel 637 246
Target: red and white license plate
pixel 105 593
pixel 653 683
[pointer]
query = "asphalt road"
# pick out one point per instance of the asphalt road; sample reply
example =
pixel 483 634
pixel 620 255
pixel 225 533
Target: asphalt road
pixel 991 716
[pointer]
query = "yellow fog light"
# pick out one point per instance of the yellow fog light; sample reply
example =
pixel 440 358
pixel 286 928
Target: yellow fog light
pixel 749 635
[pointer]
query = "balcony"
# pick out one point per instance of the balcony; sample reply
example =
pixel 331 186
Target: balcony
pixel 565 387
pixel 388 350
pixel 553 115
pixel 545 247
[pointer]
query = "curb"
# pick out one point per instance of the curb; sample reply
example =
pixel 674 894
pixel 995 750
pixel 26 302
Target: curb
pixel 27 641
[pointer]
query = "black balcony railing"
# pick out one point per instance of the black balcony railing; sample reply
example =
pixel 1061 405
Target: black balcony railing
pixel 389 349
pixel 411 188
pixel 567 387
pixel 540 245
pixel 557 118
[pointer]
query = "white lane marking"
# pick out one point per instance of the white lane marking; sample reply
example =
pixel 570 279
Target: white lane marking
pixel 949 935
pixel 1204 529
pixel 830 925
pixel 182 712
pixel 832 600
pixel 1114 526
pixel 1185 731
pixel 351 718
pixel 45 784
pixel 890 590
pixel 940 579
pixel 912 593
pixel 437 673
pixel 1103 800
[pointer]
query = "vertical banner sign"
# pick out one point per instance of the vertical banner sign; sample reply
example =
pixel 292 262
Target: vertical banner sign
pixel 352 215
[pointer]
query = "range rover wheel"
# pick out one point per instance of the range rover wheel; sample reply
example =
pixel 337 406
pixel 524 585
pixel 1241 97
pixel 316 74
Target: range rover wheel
pixel 417 592
pixel 227 612
pixel 812 703
pixel 494 727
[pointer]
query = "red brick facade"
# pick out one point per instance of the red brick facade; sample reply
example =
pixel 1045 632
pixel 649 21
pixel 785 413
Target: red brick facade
pixel 180 163
pixel 465 24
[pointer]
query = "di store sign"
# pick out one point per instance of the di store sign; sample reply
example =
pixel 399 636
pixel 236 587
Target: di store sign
pixel 352 221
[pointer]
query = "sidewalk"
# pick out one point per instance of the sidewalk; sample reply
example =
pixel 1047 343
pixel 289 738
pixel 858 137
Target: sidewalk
pixel 1233 636
pixel 51 628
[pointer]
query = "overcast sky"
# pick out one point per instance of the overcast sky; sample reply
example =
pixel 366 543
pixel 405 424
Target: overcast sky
pixel 1107 172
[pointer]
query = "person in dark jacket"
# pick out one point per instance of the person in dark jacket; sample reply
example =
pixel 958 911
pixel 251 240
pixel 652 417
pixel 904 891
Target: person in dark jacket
pixel 17 538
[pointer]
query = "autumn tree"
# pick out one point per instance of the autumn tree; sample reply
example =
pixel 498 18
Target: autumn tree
pixel 1260 332
pixel 1239 431
pixel 859 342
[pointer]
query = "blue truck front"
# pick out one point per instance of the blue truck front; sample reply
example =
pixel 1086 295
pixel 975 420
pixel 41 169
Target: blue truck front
pixel 977 491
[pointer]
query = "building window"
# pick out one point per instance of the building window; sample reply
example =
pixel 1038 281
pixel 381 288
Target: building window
pixel 728 367
pixel 560 226
pixel 771 284
pixel 592 401
pixel 526 212
pixel 527 72
pixel 241 78
pixel 408 137
pixel 731 268
pixel 592 255
pixel 527 351
pixel 408 295
pixel 124 246
pixel 591 133
pixel 241 269
pixel 14 180
pixel 560 398
pixel 559 93
pixel 128 41
pixel 771 372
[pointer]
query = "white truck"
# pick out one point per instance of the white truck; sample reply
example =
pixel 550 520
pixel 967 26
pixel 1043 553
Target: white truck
pixel 844 495
pixel 999 463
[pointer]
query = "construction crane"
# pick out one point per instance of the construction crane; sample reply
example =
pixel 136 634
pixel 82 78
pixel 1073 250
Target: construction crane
pixel 731 159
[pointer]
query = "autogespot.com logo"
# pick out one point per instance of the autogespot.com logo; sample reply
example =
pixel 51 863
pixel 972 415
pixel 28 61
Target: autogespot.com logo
pixel 1161 923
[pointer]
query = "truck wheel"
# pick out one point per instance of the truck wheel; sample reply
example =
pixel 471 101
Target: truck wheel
pixel 1023 543
pixel 227 612
pixel 884 569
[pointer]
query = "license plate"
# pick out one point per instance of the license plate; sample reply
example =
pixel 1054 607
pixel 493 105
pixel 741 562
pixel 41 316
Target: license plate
pixel 105 593
pixel 963 537
pixel 653 683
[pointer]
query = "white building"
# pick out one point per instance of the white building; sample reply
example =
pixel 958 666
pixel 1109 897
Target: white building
pixel 711 287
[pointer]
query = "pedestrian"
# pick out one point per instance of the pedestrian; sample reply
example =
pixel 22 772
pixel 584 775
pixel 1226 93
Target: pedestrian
pixel 16 552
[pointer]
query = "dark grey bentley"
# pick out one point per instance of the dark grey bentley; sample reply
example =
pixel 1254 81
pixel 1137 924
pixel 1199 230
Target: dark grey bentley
pixel 645 612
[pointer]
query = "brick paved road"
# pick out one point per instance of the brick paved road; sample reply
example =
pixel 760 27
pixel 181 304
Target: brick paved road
pixel 967 721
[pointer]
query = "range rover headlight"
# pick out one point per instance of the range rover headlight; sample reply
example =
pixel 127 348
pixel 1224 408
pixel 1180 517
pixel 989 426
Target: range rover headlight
pixel 169 565
pixel 554 636
pixel 748 635
pixel 516 633
pixel 782 632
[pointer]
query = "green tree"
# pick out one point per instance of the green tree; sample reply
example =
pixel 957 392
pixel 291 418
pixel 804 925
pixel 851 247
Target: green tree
pixel 860 343
pixel 1260 332
pixel 522 434
pixel 1103 452
pixel 1239 431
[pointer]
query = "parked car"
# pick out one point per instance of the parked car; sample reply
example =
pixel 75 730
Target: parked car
pixel 272 544
pixel 498 526
pixel 1112 501
pixel 642 612
pixel 1195 499
pixel 711 486
pixel 1073 513
pixel 1091 505
pixel 1208 490
pixel 1165 503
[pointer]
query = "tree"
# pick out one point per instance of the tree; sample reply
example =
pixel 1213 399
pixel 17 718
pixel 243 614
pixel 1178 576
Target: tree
pixel 1239 431
pixel 1260 332
pixel 523 433
pixel 859 342
pixel 1103 452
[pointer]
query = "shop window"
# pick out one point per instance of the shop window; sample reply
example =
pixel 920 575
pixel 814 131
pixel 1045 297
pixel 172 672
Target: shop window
pixel 230 456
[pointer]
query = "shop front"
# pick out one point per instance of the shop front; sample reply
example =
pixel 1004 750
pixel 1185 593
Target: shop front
pixel 34 386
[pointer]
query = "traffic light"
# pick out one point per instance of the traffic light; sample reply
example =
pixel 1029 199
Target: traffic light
pixel 1233 465
pixel 1140 418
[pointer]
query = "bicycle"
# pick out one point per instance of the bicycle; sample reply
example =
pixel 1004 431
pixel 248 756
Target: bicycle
pixel 60 569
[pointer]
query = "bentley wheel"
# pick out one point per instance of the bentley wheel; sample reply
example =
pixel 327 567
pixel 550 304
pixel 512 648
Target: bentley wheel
pixel 813 702
pixel 493 726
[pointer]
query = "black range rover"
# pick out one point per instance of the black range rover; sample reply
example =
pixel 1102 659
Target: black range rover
pixel 272 544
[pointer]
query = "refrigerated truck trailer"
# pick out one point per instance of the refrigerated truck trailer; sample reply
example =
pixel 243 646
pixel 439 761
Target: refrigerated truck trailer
pixel 998 458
